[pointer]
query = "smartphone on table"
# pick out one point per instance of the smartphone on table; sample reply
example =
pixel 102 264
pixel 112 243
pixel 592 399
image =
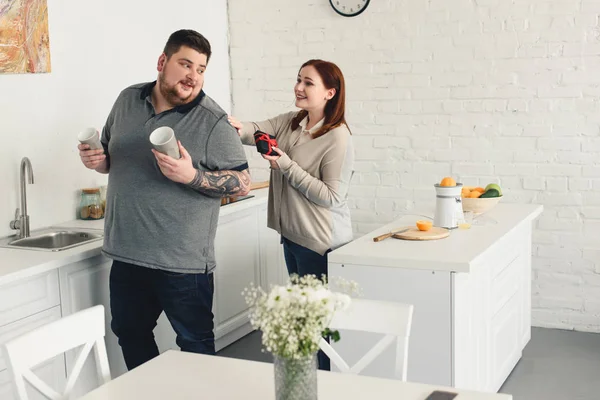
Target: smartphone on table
pixel 441 395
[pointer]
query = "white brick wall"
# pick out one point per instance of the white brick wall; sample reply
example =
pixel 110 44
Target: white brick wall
pixel 485 90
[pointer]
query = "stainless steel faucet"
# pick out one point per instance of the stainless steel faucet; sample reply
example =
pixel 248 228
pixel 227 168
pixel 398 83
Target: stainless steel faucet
pixel 21 221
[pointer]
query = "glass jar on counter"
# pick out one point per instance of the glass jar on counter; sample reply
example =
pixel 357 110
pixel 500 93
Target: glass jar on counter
pixel 103 198
pixel 90 205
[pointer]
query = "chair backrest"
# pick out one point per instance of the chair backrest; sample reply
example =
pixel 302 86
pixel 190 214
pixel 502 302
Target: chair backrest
pixel 84 328
pixel 393 320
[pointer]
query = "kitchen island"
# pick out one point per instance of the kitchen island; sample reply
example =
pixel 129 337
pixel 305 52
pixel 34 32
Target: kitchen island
pixel 471 294
pixel 37 287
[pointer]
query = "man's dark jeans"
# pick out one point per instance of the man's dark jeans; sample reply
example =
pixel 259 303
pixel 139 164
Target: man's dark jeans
pixel 137 297
pixel 303 261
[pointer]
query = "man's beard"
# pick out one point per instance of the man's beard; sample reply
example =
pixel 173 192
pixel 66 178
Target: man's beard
pixel 171 95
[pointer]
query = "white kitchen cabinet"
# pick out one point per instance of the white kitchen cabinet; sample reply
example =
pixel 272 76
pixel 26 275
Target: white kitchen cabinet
pixel 52 371
pixel 237 251
pixel 84 284
pixel 272 261
pixel 430 346
pixel 471 294
pixel 28 296
pixel 491 313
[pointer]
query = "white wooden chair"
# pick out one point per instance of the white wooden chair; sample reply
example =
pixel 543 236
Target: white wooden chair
pixel 391 319
pixel 84 328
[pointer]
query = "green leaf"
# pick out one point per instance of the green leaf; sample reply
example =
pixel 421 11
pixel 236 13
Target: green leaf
pixel 335 336
pixel 331 335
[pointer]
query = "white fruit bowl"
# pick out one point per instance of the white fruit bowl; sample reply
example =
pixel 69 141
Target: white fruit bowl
pixel 479 205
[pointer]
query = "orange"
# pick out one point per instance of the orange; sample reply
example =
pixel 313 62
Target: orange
pixel 480 189
pixel 474 194
pixel 448 181
pixel 424 225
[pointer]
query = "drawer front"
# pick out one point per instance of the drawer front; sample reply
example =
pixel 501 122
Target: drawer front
pixel 506 250
pixel 508 266
pixel 505 341
pixel 16 329
pixel 506 284
pixel 28 296
pixel 500 254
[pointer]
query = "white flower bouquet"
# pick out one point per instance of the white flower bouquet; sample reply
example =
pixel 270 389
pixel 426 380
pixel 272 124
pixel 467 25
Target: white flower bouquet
pixel 294 317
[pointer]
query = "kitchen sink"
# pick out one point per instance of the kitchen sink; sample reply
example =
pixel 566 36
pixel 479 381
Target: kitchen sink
pixel 57 239
pixel 52 239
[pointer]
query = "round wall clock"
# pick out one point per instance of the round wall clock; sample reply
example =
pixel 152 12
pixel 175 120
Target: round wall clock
pixel 349 8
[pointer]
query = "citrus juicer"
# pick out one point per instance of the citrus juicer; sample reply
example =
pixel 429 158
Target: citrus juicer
pixel 448 206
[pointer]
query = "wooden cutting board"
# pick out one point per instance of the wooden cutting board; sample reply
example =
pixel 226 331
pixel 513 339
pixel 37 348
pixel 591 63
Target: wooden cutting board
pixel 259 185
pixel 415 234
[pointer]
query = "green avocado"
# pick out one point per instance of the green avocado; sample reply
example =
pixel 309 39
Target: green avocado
pixel 490 193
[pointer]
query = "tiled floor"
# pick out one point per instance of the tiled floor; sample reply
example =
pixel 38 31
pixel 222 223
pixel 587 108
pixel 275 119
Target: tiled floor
pixel 556 365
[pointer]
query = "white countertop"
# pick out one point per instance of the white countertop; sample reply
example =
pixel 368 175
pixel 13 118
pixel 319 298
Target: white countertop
pixel 16 264
pixel 458 252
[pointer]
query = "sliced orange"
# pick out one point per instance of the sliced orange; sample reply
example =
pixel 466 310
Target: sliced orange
pixel 424 225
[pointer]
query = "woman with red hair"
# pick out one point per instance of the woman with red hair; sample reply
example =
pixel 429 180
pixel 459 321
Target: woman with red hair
pixel 311 169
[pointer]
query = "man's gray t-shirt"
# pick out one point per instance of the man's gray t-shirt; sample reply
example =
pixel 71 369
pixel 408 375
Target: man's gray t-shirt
pixel 150 220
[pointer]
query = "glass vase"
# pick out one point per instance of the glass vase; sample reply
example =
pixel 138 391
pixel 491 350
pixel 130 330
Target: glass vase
pixel 295 379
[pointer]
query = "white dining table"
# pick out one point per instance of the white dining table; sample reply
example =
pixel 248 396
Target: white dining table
pixel 176 375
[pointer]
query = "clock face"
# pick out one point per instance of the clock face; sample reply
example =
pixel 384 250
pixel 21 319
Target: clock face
pixel 349 8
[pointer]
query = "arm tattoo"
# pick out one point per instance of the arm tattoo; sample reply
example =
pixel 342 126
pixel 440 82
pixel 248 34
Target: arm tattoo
pixel 221 183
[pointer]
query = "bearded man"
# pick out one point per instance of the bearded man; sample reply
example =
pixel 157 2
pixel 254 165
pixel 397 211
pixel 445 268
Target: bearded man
pixel 162 213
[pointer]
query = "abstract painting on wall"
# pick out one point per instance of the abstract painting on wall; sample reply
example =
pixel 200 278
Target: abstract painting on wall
pixel 24 38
